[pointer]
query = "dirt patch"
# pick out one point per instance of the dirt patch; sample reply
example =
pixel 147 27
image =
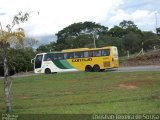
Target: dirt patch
pixel 127 86
pixel 24 97
pixel 139 82
pixel 155 97
pixel 149 58
pixel 134 84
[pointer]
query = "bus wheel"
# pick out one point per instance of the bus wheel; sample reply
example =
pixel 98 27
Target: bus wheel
pixel 102 70
pixel 88 68
pixel 47 71
pixel 96 68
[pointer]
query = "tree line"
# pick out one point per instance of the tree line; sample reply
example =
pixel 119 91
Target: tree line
pixel 19 57
pixel 126 36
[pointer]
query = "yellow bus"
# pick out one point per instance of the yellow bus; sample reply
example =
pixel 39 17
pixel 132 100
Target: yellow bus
pixel 80 59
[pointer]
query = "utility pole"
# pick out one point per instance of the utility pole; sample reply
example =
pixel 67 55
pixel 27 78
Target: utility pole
pixel 1 28
pixel 142 48
pixel 156 24
pixel 94 40
pixel 156 21
pixel 128 53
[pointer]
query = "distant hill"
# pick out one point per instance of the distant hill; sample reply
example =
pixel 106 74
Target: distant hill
pixel 149 58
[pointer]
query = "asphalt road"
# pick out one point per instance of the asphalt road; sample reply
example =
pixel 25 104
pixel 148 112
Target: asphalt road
pixel 138 68
pixel 121 69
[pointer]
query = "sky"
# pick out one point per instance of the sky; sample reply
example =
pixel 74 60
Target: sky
pixel 47 17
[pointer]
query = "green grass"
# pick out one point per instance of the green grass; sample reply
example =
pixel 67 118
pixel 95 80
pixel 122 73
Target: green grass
pixel 85 93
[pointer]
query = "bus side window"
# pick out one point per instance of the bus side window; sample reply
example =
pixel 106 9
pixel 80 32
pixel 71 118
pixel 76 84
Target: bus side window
pixel 48 57
pixel 65 55
pixel 54 57
pixel 78 55
pixel 97 53
pixel 106 52
pixel 88 54
pixel 60 56
pixel 70 55
pixel 81 54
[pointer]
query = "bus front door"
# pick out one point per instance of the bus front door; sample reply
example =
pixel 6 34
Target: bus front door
pixel 38 61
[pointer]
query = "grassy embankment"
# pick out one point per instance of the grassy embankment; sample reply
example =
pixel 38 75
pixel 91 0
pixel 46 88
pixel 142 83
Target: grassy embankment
pixel 81 92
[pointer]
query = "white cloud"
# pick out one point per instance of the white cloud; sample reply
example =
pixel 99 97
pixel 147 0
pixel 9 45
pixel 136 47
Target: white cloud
pixel 118 17
pixel 57 14
pixel 144 19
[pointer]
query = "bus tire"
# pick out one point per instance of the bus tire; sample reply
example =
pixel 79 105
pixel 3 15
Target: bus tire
pixel 96 68
pixel 88 68
pixel 102 70
pixel 47 71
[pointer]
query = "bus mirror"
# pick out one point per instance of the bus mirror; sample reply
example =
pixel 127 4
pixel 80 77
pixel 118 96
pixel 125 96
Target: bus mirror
pixel 32 61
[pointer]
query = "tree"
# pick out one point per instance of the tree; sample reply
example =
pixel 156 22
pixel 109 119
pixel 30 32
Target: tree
pixel 158 31
pixel 20 59
pixel 129 26
pixel 132 42
pixel 150 40
pixel 46 48
pixel 70 37
pixel 117 31
pixel 8 37
pixel 109 40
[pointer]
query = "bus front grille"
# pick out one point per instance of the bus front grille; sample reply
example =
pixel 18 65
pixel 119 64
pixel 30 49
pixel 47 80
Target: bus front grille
pixel 106 64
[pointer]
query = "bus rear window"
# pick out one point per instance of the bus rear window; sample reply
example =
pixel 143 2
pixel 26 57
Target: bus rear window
pixel 115 52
